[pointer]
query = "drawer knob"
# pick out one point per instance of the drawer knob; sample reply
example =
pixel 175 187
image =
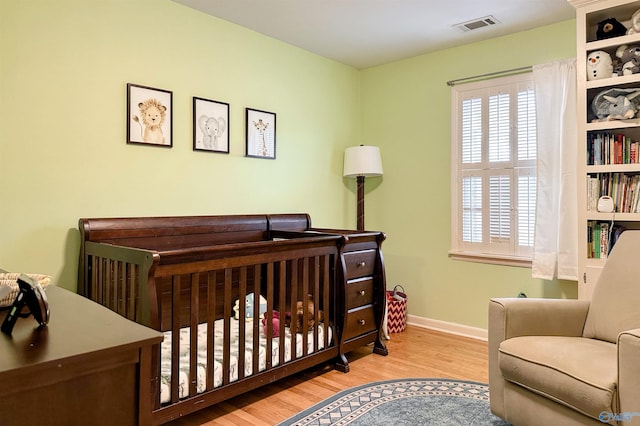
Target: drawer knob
pixel 361 264
pixel 362 322
pixel 361 292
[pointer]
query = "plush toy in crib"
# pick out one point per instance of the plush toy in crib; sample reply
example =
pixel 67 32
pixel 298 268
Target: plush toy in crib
pixel 599 65
pixel 300 309
pixel 610 27
pixel 299 315
pixel 275 324
pixel 248 310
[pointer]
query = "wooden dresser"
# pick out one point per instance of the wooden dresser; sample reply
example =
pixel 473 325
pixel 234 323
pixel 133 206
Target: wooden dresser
pixel 364 290
pixel 89 366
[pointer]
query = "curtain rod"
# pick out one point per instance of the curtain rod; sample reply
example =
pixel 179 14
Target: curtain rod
pixel 491 74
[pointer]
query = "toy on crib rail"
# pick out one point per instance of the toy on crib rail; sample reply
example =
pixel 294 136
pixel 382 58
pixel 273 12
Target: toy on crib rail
pixel 616 104
pixel 248 307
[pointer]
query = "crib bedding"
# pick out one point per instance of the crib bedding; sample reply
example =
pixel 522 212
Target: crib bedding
pixel 165 373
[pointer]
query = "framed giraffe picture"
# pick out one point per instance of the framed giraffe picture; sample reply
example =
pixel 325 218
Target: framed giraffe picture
pixel 261 134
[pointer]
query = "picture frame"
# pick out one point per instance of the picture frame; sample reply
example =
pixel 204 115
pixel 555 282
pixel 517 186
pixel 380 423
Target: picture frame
pixel 260 134
pixel 149 116
pixel 210 125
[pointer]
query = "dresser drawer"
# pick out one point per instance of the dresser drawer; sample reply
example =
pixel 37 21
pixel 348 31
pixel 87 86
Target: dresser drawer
pixel 359 321
pixel 360 263
pixel 359 293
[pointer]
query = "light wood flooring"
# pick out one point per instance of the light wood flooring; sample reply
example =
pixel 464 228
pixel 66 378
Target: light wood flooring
pixel 414 353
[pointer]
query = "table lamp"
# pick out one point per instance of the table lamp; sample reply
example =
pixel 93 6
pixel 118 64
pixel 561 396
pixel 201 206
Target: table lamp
pixel 360 162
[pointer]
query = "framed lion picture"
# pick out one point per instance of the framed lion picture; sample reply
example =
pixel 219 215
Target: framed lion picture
pixel 149 116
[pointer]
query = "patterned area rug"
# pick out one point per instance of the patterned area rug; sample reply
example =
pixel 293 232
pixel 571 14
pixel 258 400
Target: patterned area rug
pixel 404 402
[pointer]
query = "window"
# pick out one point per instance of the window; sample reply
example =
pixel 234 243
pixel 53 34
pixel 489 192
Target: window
pixel 493 158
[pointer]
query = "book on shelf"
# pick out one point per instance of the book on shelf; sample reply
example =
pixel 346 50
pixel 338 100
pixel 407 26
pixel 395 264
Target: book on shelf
pixel 601 238
pixel 604 148
pixel 623 188
pixel 598 239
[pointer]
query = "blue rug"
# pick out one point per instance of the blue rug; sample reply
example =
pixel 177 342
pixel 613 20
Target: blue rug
pixel 404 402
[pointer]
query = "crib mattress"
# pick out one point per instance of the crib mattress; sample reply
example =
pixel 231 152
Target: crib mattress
pixel 165 373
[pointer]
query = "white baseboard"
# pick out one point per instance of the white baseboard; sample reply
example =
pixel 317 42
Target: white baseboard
pixel 448 327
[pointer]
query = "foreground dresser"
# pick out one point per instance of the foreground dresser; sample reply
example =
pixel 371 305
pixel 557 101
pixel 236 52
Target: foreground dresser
pixel 89 366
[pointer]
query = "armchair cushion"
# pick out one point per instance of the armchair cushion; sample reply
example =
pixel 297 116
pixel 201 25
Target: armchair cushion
pixel 614 303
pixel 577 372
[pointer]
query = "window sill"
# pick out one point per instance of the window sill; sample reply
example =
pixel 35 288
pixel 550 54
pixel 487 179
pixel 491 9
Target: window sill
pixel 493 259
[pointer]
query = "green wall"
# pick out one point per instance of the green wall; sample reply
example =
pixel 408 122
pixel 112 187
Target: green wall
pixel 406 110
pixel 63 153
pixel 64 66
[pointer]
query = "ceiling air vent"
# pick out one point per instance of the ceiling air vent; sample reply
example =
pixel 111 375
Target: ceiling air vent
pixel 477 23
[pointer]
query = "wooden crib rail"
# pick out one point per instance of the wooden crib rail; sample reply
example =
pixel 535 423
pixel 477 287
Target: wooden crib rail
pixel 118 278
pixel 204 291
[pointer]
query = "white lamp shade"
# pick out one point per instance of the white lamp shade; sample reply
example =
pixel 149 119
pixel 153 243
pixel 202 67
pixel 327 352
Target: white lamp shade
pixel 362 160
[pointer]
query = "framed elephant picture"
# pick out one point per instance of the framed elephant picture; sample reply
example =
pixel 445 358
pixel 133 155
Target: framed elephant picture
pixel 149 116
pixel 210 125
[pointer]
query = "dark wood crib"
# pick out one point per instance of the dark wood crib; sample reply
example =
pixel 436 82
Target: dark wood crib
pixel 243 300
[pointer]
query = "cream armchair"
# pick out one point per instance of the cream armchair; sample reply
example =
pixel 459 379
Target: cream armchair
pixel 571 362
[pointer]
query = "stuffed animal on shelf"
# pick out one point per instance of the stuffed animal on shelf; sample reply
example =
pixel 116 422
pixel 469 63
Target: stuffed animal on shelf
pixel 616 104
pixel 629 59
pixel 635 23
pixel 610 27
pixel 599 65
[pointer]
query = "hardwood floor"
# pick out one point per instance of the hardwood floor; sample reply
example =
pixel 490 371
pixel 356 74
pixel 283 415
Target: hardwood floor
pixel 417 352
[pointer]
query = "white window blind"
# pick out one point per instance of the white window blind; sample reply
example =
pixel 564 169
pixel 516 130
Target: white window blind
pixel 493 168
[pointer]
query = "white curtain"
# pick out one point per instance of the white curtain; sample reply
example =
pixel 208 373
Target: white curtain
pixel 555 253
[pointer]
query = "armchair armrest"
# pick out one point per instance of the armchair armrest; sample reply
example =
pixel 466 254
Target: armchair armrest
pixel 629 371
pixel 512 317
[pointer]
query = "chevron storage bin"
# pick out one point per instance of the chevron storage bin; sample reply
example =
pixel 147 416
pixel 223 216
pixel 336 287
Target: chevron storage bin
pixel 396 310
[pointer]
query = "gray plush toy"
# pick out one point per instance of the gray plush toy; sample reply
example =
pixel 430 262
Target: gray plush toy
pixel 616 104
pixel 629 59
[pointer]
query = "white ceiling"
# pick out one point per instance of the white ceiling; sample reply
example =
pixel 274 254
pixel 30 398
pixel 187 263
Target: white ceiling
pixel 366 33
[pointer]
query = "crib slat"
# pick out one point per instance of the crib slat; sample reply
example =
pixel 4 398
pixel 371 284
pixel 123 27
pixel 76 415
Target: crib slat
pixel 305 305
pixel 193 329
pixel 268 315
pixel 325 297
pixel 175 338
pixel 255 353
pixel 211 317
pixel 316 301
pixel 226 345
pixel 242 296
pixel 292 303
pixel 282 294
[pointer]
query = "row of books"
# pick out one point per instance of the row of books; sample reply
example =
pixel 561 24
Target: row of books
pixel 623 188
pixel 601 237
pixel 611 148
